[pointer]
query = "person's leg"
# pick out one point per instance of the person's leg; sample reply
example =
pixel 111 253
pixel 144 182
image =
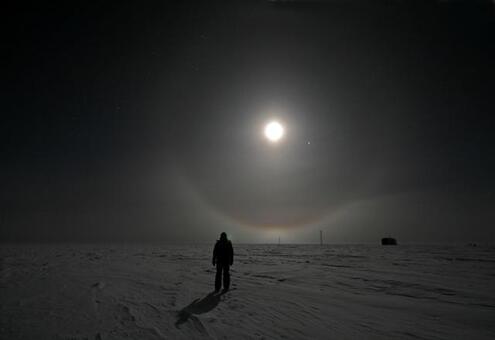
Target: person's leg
pixel 218 277
pixel 226 277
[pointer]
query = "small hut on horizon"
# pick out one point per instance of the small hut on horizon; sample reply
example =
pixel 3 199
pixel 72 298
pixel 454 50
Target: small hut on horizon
pixel 389 241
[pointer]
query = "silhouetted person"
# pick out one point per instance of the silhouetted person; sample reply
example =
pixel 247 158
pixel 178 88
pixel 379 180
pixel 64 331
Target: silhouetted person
pixel 223 258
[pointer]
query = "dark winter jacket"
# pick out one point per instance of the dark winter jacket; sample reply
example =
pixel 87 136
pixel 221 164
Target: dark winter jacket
pixel 223 252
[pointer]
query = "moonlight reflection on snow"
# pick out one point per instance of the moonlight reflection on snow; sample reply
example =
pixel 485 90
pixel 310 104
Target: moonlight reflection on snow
pixel 293 291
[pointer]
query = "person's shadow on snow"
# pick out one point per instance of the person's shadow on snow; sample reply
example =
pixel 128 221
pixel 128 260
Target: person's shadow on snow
pixel 198 306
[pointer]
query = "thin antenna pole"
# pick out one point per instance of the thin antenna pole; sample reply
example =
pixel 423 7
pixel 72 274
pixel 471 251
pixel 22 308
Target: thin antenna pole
pixel 321 237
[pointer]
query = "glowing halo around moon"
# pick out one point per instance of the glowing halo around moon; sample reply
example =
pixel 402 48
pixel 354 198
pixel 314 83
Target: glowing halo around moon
pixel 274 131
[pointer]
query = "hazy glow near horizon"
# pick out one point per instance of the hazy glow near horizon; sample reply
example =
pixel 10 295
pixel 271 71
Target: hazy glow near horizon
pixel 274 131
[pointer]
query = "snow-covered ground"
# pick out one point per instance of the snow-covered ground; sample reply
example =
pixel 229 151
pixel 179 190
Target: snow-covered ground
pixel 287 291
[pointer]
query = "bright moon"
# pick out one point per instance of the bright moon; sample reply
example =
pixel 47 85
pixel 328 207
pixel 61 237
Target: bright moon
pixel 274 131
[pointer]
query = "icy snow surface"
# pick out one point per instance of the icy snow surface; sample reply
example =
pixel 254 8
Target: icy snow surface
pixel 278 292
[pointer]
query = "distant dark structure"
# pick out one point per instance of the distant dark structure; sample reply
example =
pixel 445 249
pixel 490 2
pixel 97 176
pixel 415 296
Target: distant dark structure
pixel 389 241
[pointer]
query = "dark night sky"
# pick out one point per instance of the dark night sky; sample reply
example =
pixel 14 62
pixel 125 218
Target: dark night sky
pixel 139 122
